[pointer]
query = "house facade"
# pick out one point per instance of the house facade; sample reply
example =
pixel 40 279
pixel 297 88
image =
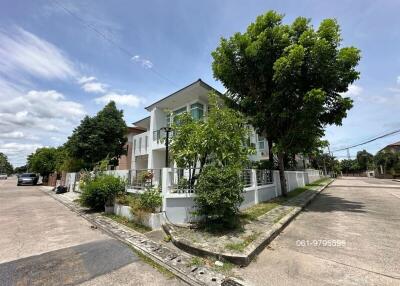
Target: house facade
pixel 394 147
pixel 148 147
pixel 125 161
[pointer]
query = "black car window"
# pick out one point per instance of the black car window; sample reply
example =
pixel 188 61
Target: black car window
pixel 28 175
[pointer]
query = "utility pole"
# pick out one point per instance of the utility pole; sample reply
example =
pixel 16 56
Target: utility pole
pixel 348 153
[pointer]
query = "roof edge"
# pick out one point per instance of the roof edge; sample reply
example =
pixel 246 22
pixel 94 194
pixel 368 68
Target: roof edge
pixel 200 81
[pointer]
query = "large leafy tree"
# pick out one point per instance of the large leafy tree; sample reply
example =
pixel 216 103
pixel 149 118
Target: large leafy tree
pixel 5 165
pixel 216 146
pixel 221 138
pixel 43 161
pixel 365 160
pixel 99 137
pixel 387 161
pixel 288 80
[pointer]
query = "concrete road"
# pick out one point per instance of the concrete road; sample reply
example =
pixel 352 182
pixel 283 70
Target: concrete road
pixel 43 243
pixel 349 235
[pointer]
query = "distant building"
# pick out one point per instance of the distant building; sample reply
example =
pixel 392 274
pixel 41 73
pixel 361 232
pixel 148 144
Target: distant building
pixel 395 147
pixel 125 161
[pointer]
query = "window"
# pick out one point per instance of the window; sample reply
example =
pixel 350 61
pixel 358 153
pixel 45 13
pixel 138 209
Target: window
pixel 177 112
pixel 146 142
pixel 261 142
pixel 140 144
pixel 134 145
pixel 197 111
pixel 168 119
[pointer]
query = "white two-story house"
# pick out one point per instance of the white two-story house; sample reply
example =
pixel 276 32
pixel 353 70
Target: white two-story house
pixel 148 150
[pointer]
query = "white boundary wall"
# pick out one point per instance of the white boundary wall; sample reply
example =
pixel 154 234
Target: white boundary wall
pixel 179 207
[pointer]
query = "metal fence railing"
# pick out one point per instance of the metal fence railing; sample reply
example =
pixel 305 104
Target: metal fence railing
pixel 247 178
pixel 141 179
pixel 183 180
pixel 264 177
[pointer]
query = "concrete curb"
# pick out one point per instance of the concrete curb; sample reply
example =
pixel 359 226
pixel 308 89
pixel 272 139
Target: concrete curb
pixel 176 263
pixel 254 248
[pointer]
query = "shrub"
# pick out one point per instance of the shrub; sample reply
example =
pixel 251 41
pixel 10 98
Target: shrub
pixel 150 200
pixel 219 195
pixel 101 190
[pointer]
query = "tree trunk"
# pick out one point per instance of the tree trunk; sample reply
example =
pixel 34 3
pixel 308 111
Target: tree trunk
pixel 281 165
pixel 270 154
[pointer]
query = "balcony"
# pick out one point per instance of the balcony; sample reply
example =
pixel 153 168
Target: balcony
pixel 141 144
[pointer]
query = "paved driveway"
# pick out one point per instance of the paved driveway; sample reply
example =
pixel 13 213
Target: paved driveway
pixel 43 243
pixel 363 213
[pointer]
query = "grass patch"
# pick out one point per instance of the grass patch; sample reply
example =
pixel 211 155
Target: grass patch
pixel 240 246
pixel 153 264
pixel 197 261
pixel 295 193
pixel 319 183
pixel 226 268
pixel 131 224
pixel 256 211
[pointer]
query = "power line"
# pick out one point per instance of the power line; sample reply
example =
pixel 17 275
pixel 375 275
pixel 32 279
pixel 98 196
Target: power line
pixel 368 141
pixel 108 39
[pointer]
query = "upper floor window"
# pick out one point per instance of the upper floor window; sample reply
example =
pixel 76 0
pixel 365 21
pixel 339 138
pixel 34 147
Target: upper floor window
pixel 261 142
pixel 197 111
pixel 177 112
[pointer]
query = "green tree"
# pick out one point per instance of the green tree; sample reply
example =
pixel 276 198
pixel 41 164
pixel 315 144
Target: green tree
pixel 5 165
pixel 21 169
pixel 98 137
pixel 365 160
pixel 221 138
pixel 288 80
pixel 389 161
pixel 217 145
pixel 346 166
pixel 43 161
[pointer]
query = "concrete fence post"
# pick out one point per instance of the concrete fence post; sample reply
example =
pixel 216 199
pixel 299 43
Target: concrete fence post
pixel 164 186
pixel 254 185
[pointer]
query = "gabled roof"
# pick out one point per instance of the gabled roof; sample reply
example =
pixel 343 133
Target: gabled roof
pixel 176 93
pixel 394 144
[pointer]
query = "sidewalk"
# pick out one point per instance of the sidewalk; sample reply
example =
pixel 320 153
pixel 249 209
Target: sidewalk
pixel 240 246
pixel 176 261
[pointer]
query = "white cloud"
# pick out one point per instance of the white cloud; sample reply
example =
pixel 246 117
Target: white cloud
pixel 394 89
pixel 17 152
pixel 354 91
pixel 24 54
pixel 120 99
pixel 86 79
pixel 144 62
pixel 398 79
pixel 12 135
pixel 92 85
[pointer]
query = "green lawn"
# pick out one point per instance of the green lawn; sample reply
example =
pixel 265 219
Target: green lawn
pixel 256 211
pixel 131 224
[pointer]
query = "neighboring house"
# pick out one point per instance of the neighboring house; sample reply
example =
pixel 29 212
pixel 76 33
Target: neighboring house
pixel 149 146
pixel 125 161
pixel 394 147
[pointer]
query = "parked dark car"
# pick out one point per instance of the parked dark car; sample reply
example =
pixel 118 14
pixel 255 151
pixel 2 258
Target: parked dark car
pixel 28 179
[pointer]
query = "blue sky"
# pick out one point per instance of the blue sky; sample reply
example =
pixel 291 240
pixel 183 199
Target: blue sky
pixel 54 69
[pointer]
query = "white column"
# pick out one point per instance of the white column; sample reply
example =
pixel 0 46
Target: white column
pixel 165 186
pixel 254 185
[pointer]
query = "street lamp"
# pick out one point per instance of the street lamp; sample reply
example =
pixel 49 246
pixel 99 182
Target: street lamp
pixel 167 130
